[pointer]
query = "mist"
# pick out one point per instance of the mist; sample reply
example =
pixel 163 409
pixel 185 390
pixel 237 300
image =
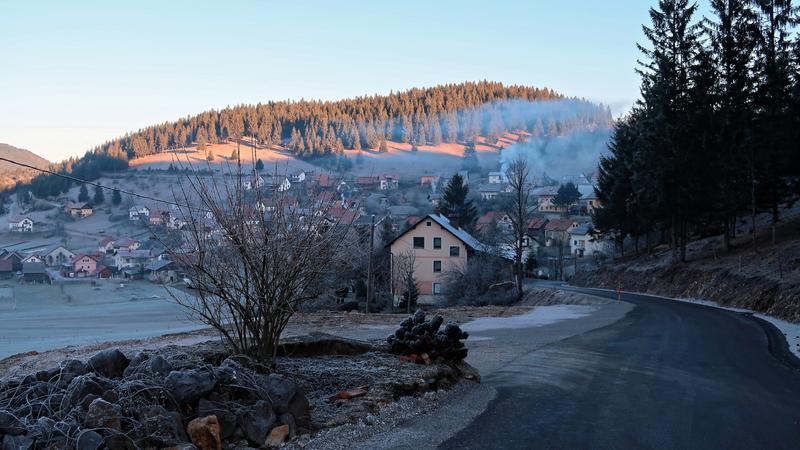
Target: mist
pixel 576 153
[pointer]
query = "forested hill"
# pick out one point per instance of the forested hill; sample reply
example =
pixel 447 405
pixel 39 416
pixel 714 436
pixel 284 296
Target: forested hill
pixel 446 113
pixel 11 173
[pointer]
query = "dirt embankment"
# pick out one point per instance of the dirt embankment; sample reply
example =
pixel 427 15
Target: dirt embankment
pixel 765 280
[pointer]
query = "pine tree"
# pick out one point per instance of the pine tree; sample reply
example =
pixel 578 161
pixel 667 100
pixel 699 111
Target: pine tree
pixel 259 165
pixel 567 195
pixel 383 148
pixel 116 197
pixel 455 203
pixel 83 194
pixel 99 197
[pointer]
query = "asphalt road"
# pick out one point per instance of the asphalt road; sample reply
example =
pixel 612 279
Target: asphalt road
pixel 667 375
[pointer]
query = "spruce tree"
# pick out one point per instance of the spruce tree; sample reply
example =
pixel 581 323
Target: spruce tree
pixel 455 203
pixel 83 194
pixel 116 197
pixel 99 197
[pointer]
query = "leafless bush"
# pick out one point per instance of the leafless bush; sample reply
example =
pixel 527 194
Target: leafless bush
pixel 484 280
pixel 251 254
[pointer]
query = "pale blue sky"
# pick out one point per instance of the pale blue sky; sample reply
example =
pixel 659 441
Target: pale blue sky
pixel 77 73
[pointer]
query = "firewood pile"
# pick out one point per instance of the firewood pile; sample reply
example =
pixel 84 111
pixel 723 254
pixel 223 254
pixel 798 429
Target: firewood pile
pixel 425 340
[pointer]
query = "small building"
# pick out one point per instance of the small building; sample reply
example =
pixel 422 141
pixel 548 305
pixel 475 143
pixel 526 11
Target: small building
pixel 33 257
pixel 161 271
pixel 127 243
pixel 107 244
pixel 544 197
pixel 490 191
pixel 133 259
pixel 434 199
pixel 158 217
pixel 536 228
pixel 323 181
pixel 497 178
pixel 35 273
pixel 14 257
pixel 502 220
pixel 584 241
pixel 20 224
pixel 389 182
pixel 80 210
pixel 6 269
pixel 556 232
pixel 57 255
pixel 84 265
pixel 367 182
pixel 138 212
pixel 431 180
pixel 254 182
pixel 298 176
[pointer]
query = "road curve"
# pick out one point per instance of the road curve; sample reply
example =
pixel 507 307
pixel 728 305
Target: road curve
pixel 668 375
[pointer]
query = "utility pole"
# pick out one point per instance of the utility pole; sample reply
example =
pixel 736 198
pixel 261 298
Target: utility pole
pixel 369 263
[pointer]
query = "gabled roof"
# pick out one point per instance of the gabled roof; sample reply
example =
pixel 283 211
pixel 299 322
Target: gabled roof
pixel 79 205
pixel 492 215
pixel 107 240
pixel 84 255
pixel 491 187
pixel 158 264
pixel 18 219
pixel 581 230
pixel 537 223
pixel 466 238
pixel 33 267
pixel 559 225
pixel 53 248
pixel 545 191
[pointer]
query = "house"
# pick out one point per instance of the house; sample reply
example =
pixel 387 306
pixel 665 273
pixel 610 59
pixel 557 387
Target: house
pixel 254 182
pixel 6 269
pixel 33 257
pixel 502 220
pixel 138 212
pixel 278 183
pixel 161 271
pixel 20 224
pixel 107 244
pixel 367 182
pixel 323 181
pixel 299 176
pixel 434 199
pixel 57 255
pixel 104 271
pixel 127 243
pixel 84 265
pixel 556 232
pixel 79 210
pixel 497 178
pixel 389 182
pixel 464 176
pixel 34 272
pixel 536 228
pixel 588 201
pixel 437 246
pixel 431 180
pixel 175 222
pixel 14 257
pixel 158 217
pixel 132 259
pixel 490 191
pixel 585 242
pixel 544 197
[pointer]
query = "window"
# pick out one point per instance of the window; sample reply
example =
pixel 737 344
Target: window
pixel 437 243
pixel 427 224
pixel 419 242
pixel 455 250
pixel 437 288
pixel 437 266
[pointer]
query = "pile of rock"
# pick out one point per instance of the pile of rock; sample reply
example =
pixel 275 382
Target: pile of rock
pixel 426 340
pixel 169 400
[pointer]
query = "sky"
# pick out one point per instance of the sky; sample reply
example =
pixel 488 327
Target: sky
pixel 77 73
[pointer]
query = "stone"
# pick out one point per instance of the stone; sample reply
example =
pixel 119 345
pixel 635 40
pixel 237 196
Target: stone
pixel 120 441
pixel 277 436
pixel 181 447
pixel 280 391
pixel 69 369
pixel 288 419
pixel 143 363
pixel 16 442
pixel 348 394
pixel 256 421
pixel 10 424
pixel 226 416
pixel 188 386
pixel 162 428
pixel 110 363
pixel 78 389
pixel 88 440
pixel 319 344
pixel 204 433
pixel 102 414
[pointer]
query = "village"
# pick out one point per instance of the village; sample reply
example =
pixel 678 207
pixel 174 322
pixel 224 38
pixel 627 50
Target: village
pixel 76 240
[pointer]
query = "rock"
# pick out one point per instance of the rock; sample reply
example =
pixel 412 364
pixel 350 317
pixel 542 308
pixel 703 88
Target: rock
pixel 288 419
pixel 43 428
pixel 88 440
pixel 88 401
pixel 102 414
pixel 10 424
pixel 162 427
pixel 280 391
pixel 468 372
pixel 188 386
pixel 78 389
pixel 110 363
pixel 256 421
pixel 319 344
pixel 225 415
pixel 277 436
pixel 348 394
pixel 204 433
pixel 17 442
pixel 120 442
pixel 300 409
pixel 181 447
pixel 143 363
pixel 69 369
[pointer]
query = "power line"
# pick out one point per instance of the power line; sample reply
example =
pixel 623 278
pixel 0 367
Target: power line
pixel 78 180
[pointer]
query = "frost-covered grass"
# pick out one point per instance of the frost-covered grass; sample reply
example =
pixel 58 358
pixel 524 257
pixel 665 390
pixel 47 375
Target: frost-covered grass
pixel 540 316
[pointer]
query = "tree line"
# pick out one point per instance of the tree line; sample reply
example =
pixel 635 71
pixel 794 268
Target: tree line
pixel 715 134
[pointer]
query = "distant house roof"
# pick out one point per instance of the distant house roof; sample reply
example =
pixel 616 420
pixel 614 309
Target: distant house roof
pixel 30 268
pixel 157 265
pixel 84 255
pixel 581 230
pixel 135 253
pixel 125 242
pixel 402 210
pixel 324 180
pixel 53 248
pixel 545 191
pixel 79 205
pixel 107 240
pixel 18 219
pixel 537 223
pixel 490 188
pixel 559 225
pixel 489 216
pixel 366 181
